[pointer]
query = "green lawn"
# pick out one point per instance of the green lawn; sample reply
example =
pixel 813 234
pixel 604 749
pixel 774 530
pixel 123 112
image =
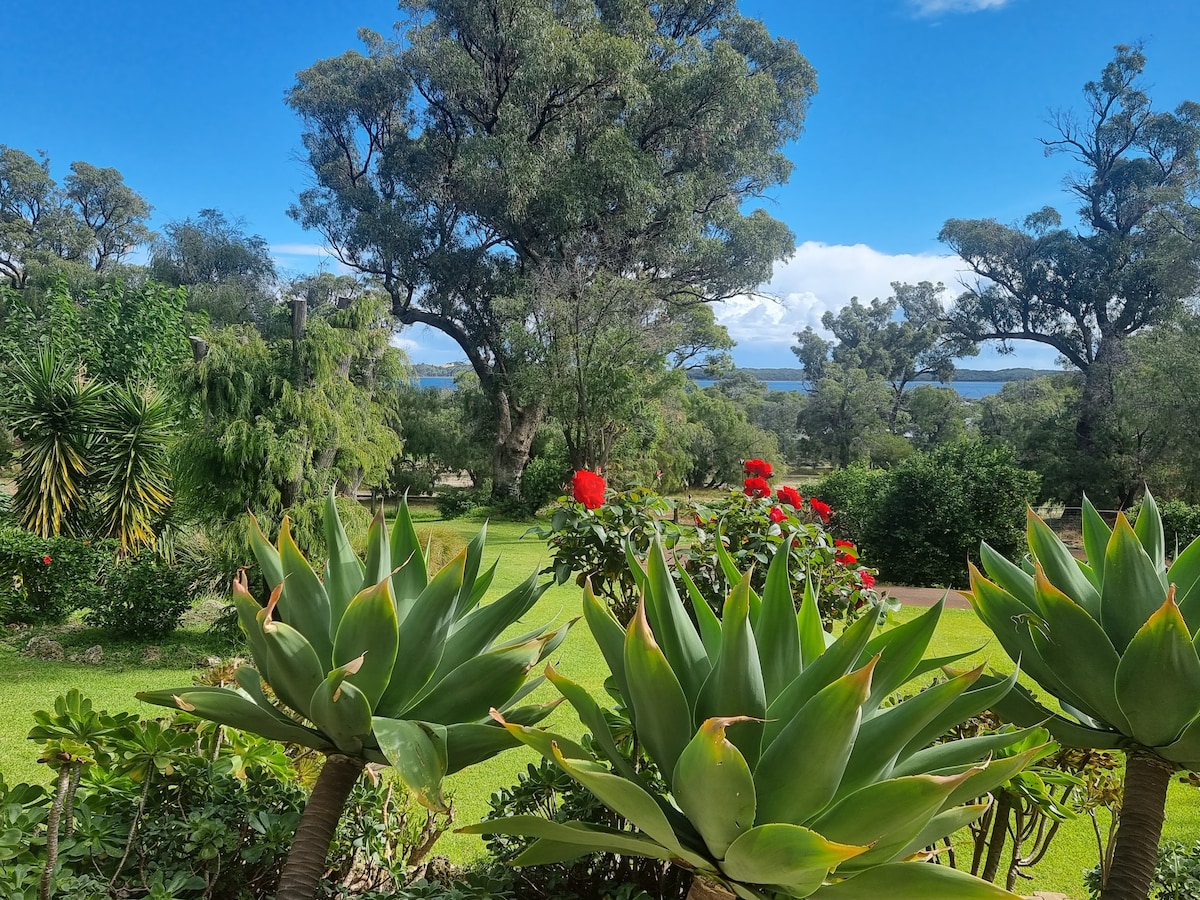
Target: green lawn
pixel 33 684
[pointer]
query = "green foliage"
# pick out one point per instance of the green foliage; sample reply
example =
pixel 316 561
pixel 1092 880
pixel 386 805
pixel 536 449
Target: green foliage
pixel 143 597
pixel 1176 874
pixel 35 592
pixel 853 493
pixel 544 477
pixel 458 502
pixel 938 506
pixel 718 436
pixel 591 543
pixel 797 781
pixel 1181 524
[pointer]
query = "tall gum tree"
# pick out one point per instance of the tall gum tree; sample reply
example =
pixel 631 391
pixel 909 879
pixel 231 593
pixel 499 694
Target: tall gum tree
pixel 502 148
pixel 1130 264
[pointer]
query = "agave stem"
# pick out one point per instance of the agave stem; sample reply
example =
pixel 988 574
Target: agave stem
pixel 306 860
pixel 1143 806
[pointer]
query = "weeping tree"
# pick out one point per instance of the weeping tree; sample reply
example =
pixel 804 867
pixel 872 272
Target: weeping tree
pixel 497 150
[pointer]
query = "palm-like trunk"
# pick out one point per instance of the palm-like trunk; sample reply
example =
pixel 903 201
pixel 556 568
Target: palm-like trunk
pixel 1143 805
pixel 306 860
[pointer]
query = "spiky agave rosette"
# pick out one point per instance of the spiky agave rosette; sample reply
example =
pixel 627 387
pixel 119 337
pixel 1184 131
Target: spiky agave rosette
pixel 378 660
pixel 788 775
pixel 1114 636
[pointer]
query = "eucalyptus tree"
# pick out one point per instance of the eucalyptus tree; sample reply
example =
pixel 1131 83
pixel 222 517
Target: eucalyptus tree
pixel 1084 292
pixel 500 150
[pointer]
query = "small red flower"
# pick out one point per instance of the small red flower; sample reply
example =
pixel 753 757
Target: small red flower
pixel 776 515
pixel 846 559
pixel 757 468
pixel 840 543
pixel 756 486
pixel 867 579
pixel 588 489
pixel 790 496
pixel 46 560
pixel 821 509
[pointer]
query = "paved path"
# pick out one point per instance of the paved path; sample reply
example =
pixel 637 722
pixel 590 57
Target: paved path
pixel 916 596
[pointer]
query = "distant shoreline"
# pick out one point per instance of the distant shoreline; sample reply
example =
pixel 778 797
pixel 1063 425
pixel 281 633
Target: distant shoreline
pixel 449 370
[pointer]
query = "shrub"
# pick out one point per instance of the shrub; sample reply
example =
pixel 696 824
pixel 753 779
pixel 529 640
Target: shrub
pixel 854 493
pixel 456 502
pixel 937 507
pixel 309 532
pixel 142 597
pixel 543 479
pixel 42 580
pixel 1181 524
pixel 1176 875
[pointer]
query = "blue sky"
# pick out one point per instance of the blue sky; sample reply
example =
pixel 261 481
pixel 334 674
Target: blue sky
pixel 928 109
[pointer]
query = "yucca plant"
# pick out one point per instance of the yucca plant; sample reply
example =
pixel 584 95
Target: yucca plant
pixel 376 662
pixel 790 774
pixel 1113 638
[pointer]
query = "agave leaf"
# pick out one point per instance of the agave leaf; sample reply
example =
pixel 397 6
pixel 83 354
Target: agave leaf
pixel 664 721
pixel 706 619
pixel 635 567
pixel 250 682
pixel 303 604
pixel 835 662
pixel 1019 707
pixel 912 881
pixel 267 556
pixel 713 787
pixel 344 572
pixel 247 612
pixel 779 853
pixel 1012 578
pixel 630 800
pixel 1084 657
pixel 609 637
pixel 982 695
pixel 668 618
pixel 885 811
pixel 482 626
pixel 342 712
pixel 964 752
pixel 1158 680
pixel 379 551
pixel 1059 565
pixel 900 650
pixel 777 633
pixel 423 632
pixel 411 578
pixel 735 685
pixel 592 716
pixel 531 713
pixel 1186 750
pixel 882 737
pixel 585 837
pixel 808 620
pixel 369 630
pixel 1149 530
pixel 479 684
pixel 1132 586
pixel 416 758
pixel 819 738
pixel 1096 535
pixel 238 711
pixel 468 743
pixel 944 824
pixel 1185 575
pixel 466 598
pixel 295 669
pixel 983 779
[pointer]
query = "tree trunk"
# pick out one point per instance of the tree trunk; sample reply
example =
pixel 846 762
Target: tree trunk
pixel 703 889
pixel 991 865
pixel 516 429
pixel 306 860
pixel 1143 804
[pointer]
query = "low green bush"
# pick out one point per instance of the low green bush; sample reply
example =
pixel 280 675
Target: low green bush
pixel 1176 875
pixel 143 597
pixel 853 493
pixel 43 580
pixel 1181 524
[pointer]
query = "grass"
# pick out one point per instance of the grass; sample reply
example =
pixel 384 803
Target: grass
pixel 33 684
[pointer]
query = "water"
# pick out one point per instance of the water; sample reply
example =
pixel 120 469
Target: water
pixel 971 389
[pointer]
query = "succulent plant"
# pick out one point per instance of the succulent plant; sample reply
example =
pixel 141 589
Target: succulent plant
pixel 790 772
pixel 1113 638
pixel 376 661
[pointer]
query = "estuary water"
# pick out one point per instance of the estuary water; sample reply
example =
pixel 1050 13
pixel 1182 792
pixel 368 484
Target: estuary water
pixel 970 389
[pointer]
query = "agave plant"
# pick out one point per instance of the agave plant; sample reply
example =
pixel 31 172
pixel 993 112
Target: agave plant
pixel 1114 639
pixel 376 662
pixel 789 775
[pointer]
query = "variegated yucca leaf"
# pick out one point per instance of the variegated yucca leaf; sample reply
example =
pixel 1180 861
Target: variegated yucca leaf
pixel 789 775
pixel 377 660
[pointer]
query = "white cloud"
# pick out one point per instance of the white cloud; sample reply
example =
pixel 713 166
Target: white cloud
pixel 300 250
pixel 939 7
pixel 823 277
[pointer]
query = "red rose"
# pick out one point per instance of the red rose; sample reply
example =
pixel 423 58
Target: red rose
pixel 821 509
pixel 757 486
pixel 757 468
pixel 45 560
pixel 867 579
pixel 790 496
pixel 840 543
pixel 846 559
pixel 588 488
pixel 776 514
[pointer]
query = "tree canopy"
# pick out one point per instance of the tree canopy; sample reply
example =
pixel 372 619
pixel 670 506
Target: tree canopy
pixel 505 151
